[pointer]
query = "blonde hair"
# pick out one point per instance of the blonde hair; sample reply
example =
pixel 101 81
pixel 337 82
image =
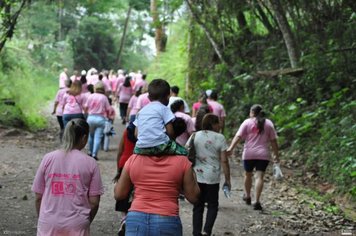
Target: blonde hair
pixel 74 131
pixel 76 88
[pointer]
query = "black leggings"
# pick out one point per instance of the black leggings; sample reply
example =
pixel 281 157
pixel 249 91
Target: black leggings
pixel 209 193
pixel 60 122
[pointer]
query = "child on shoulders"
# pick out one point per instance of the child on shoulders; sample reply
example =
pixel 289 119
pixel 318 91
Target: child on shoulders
pixel 155 132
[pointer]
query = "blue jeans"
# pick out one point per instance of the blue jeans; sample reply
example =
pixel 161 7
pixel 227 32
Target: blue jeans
pixel 96 132
pixel 144 224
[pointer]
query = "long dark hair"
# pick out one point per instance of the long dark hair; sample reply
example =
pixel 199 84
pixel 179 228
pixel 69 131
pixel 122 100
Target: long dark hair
pixel 203 110
pixel 127 81
pixel 259 114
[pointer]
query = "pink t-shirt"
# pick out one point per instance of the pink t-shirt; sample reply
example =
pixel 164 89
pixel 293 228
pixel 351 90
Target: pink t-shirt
pixel 59 99
pixel 62 77
pixel 124 93
pixel 98 104
pixel 142 83
pixel 183 138
pixel 74 78
pixel 142 101
pixel 197 105
pixel 218 109
pixel 117 81
pixel 107 84
pixel 132 105
pixel 157 181
pixel 66 180
pixel 73 104
pixel 256 145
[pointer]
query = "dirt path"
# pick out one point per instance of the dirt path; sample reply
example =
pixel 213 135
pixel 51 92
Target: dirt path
pixel 287 210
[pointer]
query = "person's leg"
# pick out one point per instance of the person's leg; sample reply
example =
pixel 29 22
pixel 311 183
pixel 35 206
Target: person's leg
pixel 106 142
pixel 125 106
pixel 122 110
pixel 136 224
pixel 92 127
pixel 261 166
pixel 248 167
pixel 65 118
pixel 213 207
pixel 98 134
pixel 198 211
pixel 165 225
pixel 61 126
pixel 259 185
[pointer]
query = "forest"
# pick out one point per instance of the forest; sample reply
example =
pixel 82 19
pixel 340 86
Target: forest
pixel 296 58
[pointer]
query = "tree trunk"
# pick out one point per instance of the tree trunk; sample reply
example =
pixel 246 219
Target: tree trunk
pixel 286 32
pixel 160 36
pixel 209 36
pixel 123 37
pixel 9 22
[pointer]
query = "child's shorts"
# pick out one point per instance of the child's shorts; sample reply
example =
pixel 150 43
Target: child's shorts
pixel 170 148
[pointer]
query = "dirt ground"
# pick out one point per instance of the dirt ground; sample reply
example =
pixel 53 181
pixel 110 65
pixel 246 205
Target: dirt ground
pixel 287 211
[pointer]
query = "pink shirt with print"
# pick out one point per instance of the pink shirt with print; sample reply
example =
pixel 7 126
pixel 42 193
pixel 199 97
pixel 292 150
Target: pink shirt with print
pixel 98 104
pixel 59 100
pixel 66 180
pixel 73 104
pixel 124 93
pixel 183 138
pixel 257 146
pixel 142 101
pixel 157 181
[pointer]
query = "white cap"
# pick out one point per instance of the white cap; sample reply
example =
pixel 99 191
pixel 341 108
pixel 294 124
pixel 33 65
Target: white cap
pixel 83 72
pixel 208 92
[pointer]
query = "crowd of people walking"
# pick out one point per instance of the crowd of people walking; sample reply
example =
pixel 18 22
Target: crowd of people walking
pixel 153 169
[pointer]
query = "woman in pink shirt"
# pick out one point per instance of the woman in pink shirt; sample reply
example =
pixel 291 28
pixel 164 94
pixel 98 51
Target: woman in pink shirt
pixel 58 106
pixel 124 93
pixel 97 106
pixel 201 101
pixel 68 186
pixel 131 108
pixel 258 133
pixel 73 102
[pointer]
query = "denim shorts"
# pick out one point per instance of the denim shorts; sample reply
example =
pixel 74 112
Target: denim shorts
pixel 259 165
pixel 142 224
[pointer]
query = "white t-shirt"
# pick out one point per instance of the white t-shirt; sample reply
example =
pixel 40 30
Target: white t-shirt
pixel 208 146
pixel 150 122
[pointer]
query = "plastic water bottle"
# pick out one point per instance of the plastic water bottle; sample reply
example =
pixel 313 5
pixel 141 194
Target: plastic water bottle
pixel 227 191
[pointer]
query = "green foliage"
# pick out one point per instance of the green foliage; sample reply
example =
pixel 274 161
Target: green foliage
pixel 94 44
pixel 29 85
pixel 172 64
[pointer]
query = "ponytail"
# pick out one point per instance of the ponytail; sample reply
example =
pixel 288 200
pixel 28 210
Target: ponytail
pixel 74 132
pixel 260 115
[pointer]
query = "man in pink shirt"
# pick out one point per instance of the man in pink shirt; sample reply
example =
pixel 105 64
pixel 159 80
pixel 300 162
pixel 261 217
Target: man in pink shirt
pixel 218 109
